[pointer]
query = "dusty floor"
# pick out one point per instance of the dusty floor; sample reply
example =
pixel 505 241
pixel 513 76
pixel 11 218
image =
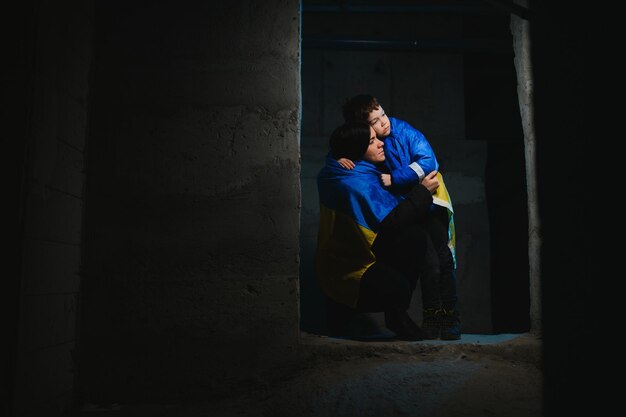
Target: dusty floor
pixel 481 375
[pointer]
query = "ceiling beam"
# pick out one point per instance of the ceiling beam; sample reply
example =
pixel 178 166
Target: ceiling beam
pixel 468 8
pixel 426 45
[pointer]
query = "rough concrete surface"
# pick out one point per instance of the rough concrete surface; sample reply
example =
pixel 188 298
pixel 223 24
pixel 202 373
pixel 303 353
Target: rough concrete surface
pixel 481 375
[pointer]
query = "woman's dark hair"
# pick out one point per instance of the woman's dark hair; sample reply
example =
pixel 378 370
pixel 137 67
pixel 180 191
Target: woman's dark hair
pixel 350 140
pixel 359 107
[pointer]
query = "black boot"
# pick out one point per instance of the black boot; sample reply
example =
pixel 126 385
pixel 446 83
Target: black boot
pixel 450 325
pixel 401 324
pixel 431 323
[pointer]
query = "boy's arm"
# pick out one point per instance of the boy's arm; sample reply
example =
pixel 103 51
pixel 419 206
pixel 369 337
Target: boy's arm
pixel 423 161
pixel 346 163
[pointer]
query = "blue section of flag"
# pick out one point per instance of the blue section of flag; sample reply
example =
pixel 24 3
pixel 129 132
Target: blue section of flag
pixel 357 193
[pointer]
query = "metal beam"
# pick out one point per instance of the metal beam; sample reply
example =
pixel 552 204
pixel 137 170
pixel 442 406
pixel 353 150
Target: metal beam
pixel 471 8
pixel 426 45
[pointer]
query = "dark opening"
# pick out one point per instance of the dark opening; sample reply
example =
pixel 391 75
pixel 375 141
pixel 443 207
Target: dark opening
pixel 492 114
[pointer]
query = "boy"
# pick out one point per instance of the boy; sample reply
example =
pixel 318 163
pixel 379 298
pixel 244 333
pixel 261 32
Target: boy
pixel 409 157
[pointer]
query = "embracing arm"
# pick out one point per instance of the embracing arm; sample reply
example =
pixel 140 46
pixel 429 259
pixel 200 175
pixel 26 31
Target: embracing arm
pixel 414 207
pixel 346 163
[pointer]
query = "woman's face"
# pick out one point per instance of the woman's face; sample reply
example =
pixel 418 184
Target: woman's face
pixel 374 152
pixel 379 120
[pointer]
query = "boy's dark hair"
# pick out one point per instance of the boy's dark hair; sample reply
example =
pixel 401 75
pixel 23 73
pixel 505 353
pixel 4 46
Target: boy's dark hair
pixel 359 107
pixel 350 140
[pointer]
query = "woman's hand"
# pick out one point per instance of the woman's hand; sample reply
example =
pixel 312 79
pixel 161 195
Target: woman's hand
pixel 346 163
pixel 430 181
pixel 386 179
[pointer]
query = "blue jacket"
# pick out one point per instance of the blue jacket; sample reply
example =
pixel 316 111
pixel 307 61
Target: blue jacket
pixel 409 155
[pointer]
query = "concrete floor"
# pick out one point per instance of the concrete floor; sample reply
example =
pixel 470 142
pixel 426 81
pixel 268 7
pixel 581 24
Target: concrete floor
pixel 479 375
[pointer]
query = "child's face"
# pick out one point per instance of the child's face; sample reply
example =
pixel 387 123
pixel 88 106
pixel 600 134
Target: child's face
pixel 379 121
pixel 374 153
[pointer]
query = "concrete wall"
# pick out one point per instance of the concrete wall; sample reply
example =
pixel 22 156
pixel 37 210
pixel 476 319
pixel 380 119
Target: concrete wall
pixel 59 66
pixel 191 259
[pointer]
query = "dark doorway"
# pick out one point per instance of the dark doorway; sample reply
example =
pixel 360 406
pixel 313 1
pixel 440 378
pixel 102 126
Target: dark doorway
pixel 447 70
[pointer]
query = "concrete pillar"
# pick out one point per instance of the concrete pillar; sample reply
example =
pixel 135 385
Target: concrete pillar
pixel 523 65
pixel 193 198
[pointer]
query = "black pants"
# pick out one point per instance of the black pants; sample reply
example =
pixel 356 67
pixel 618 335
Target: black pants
pixel 419 251
pixel 444 294
pixel 402 257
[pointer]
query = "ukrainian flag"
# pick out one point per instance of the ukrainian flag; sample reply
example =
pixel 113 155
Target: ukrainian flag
pixel 353 203
pixel 441 197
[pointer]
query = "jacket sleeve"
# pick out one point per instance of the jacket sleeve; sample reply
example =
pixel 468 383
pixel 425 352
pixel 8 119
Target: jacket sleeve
pixel 423 160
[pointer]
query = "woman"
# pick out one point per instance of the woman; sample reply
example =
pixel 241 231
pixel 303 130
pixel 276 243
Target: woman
pixel 372 246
